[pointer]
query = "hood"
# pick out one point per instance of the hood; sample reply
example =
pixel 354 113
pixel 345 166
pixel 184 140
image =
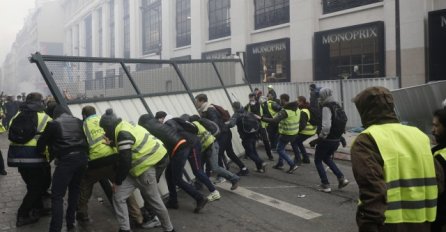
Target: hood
pixel 375 106
pixel 237 107
pixel 326 95
pixel 32 106
pixel 291 106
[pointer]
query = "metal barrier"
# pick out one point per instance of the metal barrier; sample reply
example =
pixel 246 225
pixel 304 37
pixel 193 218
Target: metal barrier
pixel 133 87
pixel 343 92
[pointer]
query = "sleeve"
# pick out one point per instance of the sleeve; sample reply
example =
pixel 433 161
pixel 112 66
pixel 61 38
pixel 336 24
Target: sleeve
pixel 124 143
pixel 279 117
pixel 233 120
pixel 303 120
pixel 368 169
pixel 276 107
pixel 212 115
pixel 46 137
pixel 326 122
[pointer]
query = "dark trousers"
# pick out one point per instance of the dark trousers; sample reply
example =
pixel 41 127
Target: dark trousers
pixel 174 175
pixel 68 174
pixel 324 152
pixel 273 135
pixel 195 164
pixel 225 142
pixel 265 139
pixel 299 142
pixel 251 151
pixel 2 162
pixel 37 182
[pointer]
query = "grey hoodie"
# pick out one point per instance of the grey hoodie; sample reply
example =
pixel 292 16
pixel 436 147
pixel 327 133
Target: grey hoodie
pixel 325 96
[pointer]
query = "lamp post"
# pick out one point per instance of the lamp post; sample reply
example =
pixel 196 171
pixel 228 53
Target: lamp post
pixel 398 42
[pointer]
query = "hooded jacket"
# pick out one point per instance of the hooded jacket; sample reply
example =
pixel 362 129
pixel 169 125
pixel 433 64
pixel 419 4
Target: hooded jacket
pixel 165 133
pixel 208 111
pixel 375 106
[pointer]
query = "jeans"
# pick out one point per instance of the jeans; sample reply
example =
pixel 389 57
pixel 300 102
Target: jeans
pixel 324 152
pixel 68 174
pixel 174 175
pixel 195 164
pixel 251 151
pixel 37 182
pixel 225 142
pixel 2 163
pixel 265 139
pixel 283 141
pixel 148 187
pixel 299 142
pixel 211 155
pixel 273 135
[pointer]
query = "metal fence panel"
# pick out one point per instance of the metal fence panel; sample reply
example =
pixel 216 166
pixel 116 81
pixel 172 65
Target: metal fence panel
pixel 240 94
pixel 175 105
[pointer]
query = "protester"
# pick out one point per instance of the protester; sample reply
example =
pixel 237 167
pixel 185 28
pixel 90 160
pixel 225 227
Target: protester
pixel 272 109
pixel 306 128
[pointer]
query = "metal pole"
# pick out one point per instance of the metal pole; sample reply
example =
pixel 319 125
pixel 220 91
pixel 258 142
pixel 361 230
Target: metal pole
pixel 48 77
pixel 222 83
pixel 144 103
pixel 398 42
pixel 186 86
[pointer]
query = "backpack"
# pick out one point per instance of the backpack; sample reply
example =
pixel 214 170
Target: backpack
pixel 338 119
pixel 250 123
pixel 315 116
pixel 210 126
pixel 225 116
pixel 23 128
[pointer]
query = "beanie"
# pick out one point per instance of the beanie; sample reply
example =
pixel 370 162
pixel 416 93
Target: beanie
pixel 109 119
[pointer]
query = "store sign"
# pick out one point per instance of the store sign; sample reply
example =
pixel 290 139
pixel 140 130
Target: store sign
pixel 350 35
pixel 268 61
pixel 217 54
pixel 437 45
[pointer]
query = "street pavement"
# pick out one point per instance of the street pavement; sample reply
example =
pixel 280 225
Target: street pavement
pixel 270 202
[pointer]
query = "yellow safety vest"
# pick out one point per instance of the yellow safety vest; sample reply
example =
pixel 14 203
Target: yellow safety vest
pixel 42 120
pixel 272 112
pixel 441 152
pixel 95 138
pixel 309 129
pixel 409 173
pixel 262 123
pixel 206 138
pixel 290 125
pixel 147 150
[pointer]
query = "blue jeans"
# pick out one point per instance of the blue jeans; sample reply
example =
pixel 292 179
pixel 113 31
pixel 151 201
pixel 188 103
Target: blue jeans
pixel 251 151
pixel 299 142
pixel 195 164
pixel 174 175
pixel 211 155
pixel 283 141
pixel 324 152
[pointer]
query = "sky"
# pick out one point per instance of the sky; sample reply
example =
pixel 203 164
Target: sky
pixel 12 18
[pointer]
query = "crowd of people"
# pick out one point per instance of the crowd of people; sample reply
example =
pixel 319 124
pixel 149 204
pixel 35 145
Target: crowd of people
pixel 400 179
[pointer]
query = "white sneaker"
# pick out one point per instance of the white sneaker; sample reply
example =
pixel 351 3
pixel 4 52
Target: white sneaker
pixel 215 195
pixel 155 222
pixel 219 180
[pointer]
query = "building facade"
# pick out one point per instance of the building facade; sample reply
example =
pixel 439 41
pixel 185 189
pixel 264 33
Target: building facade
pixel 42 32
pixel 279 40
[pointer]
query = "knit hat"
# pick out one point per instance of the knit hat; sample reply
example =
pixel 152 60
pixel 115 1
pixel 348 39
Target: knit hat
pixel 109 119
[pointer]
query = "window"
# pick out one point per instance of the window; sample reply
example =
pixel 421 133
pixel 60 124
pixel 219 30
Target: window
pixel 337 5
pixel 88 36
pixel 151 26
pixel 110 79
pixel 100 36
pixel 271 12
pixel 126 29
pixel 183 22
pixel 112 28
pixel 219 19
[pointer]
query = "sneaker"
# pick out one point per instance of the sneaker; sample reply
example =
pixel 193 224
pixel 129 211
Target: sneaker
pixel 234 183
pixel 324 188
pixel 155 222
pixel 219 180
pixel 172 205
pixel 278 167
pixel 292 169
pixel 21 221
pixel 243 172
pixel 80 217
pixel 264 167
pixel 213 196
pixel 342 182
pixel 200 204
pixel 3 173
pixel 306 160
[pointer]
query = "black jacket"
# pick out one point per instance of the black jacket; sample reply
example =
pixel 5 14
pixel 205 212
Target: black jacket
pixel 283 114
pixel 441 201
pixel 185 129
pixel 236 120
pixel 212 114
pixel 165 133
pixel 63 136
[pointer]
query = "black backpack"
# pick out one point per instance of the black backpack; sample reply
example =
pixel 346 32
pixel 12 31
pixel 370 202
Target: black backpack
pixel 338 119
pixel 24 127
pixel 210 126
pixel 250 123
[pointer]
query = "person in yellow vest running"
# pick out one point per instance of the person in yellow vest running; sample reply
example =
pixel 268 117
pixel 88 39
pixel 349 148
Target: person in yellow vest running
pixel 139 153
pixel 273 108
pixel 394 169
pixel 439 151
pixel 102 162
pixel 306 130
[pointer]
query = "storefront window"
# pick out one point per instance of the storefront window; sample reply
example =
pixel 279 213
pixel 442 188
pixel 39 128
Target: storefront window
pixel 437 45
pixel 353 52
pixel 338 5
